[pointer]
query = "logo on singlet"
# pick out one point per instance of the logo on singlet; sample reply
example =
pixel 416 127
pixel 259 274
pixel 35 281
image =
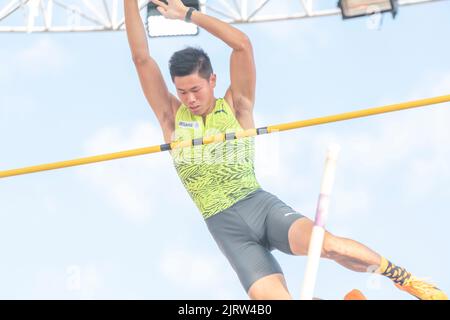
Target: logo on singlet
pixel 219 111
pixel 188 124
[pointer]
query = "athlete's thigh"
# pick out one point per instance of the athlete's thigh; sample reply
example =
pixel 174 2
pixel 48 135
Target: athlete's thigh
pixel 279 221
pixel 250 259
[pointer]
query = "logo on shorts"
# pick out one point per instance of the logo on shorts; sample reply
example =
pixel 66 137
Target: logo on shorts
pixel 290 213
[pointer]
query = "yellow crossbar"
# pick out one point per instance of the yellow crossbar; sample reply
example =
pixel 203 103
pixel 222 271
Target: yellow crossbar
pixel 224 137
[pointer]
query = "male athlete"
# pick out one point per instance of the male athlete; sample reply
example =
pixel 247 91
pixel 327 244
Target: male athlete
pixel 246 221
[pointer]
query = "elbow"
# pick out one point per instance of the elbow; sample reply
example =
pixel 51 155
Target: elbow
pixel 244 44
pixel 141 59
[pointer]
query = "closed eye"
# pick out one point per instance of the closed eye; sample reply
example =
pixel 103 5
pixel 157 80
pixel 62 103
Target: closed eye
pixel 194 89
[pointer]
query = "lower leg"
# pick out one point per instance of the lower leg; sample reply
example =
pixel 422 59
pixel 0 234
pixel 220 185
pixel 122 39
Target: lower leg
pixel 357 257
pixel 348 253
pixel 351 254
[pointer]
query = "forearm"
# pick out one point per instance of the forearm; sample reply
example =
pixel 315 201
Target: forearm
pixel 137 37
pixel 233 37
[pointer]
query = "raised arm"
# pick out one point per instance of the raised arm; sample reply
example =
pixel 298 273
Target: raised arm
pixel 163 103
pixel 243 72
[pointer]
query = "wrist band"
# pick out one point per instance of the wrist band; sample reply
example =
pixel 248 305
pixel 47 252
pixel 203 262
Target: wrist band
pixel 188 16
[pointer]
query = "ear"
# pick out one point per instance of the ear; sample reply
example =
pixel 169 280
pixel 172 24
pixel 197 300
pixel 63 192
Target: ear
pixel 212 80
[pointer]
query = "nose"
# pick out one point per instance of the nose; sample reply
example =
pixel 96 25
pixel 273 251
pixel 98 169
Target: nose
pixel 191 98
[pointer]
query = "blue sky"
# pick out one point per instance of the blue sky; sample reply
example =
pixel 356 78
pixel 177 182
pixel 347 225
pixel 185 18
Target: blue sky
pixel 127 229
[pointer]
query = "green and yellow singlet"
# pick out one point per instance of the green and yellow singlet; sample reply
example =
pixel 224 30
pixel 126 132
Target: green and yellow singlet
pixel 216 175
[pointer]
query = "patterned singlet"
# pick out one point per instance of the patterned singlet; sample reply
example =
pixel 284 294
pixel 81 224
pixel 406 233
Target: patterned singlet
pixel 216 175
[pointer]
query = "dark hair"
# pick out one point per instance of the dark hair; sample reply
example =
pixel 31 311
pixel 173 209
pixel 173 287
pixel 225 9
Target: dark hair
pixel 188 61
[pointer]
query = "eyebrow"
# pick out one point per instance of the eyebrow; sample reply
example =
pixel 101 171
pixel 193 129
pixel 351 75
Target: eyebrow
pixel 193 88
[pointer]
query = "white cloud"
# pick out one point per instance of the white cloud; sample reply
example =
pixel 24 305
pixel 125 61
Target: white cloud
pixel 132 186
pixel 432 84
pixel 5 71
pixel 430 169
pixel 42 56
pixel 348 203
pixel 300 34
pixel 15 107
pixel 442 86
pixel 187 268
pixel 418 142
pixel 113 139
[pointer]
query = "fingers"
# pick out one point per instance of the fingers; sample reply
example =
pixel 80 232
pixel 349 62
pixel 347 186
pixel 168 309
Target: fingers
pixel 161 10
pixel 160 4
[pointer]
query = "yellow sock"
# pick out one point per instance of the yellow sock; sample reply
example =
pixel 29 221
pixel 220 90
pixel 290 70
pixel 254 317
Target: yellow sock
pixel 397 274
pixel 383 266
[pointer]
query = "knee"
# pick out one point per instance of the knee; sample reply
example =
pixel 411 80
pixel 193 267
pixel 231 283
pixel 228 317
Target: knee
pixel 271 287
pixel 274 294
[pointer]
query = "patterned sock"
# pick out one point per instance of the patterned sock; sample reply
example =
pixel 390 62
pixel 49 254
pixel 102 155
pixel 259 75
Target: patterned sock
pixel 397 274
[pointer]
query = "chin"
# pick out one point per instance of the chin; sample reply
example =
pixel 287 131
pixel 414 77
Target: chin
pixel 197 111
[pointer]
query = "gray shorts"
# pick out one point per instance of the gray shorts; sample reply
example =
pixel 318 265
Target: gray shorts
pixel 249 230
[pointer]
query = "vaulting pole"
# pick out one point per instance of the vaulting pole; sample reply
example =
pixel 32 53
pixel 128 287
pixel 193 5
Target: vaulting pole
pixel 318 232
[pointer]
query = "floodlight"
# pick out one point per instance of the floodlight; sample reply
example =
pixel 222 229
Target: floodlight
pixel 360 8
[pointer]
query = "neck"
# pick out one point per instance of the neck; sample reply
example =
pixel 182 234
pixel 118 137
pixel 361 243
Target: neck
pixel 210 109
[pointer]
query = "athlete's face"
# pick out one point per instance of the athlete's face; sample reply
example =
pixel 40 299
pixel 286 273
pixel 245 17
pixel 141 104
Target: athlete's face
pixel 196 92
